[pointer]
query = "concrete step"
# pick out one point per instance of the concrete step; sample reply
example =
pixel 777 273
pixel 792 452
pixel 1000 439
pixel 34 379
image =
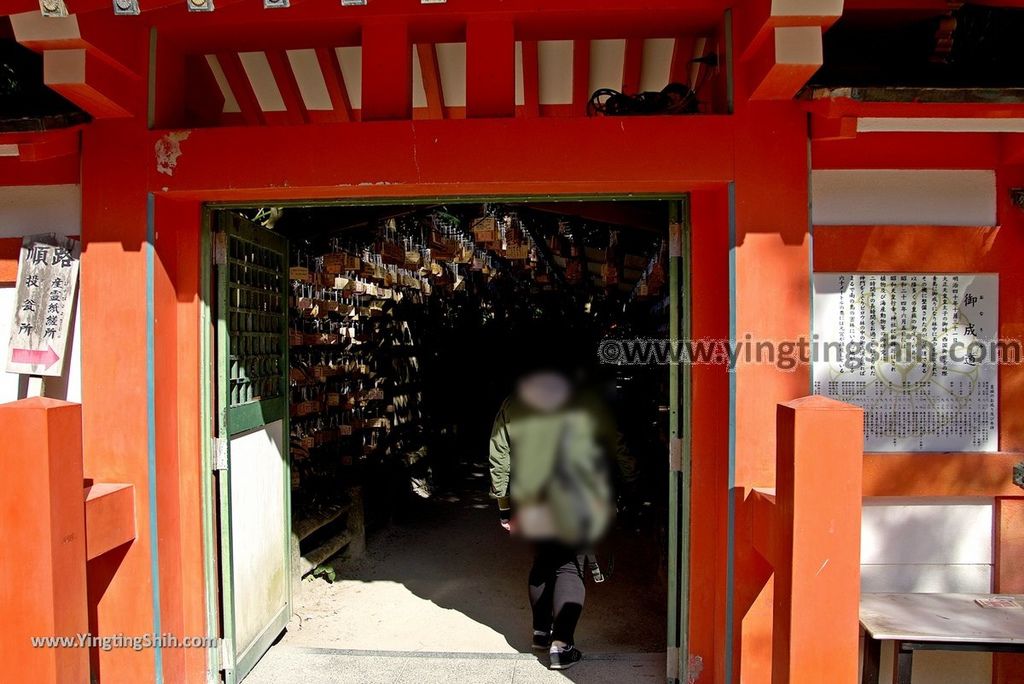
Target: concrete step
pixel 285 664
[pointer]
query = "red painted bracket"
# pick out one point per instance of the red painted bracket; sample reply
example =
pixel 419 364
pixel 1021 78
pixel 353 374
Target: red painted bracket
pixel 109 517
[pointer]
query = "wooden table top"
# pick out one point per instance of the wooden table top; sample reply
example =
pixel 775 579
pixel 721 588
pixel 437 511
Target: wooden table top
pixel 954 618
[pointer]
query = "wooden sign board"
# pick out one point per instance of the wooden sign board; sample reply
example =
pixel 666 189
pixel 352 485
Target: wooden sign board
pixel 47 278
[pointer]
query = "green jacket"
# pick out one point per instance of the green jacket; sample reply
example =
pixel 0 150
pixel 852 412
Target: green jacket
pixel 562 459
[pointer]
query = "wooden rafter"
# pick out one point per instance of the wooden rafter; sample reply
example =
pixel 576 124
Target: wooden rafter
pixel 431 73
pixel 682 57
pixel 240 86
pixel 633 66
pixel 531 79
pixel 335 82
pixel 288 86
pixel 580 76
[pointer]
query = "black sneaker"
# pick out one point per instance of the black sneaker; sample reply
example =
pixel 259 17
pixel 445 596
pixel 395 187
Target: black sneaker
pixel 564 658
pixel 541 640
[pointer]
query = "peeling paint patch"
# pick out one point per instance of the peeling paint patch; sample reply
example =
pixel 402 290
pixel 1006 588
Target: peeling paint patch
pixel 696 668
pixel 168 149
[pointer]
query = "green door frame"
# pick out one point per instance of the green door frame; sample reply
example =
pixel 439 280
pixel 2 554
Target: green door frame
pixel 680 431
pixel 680 386
pixel 220 422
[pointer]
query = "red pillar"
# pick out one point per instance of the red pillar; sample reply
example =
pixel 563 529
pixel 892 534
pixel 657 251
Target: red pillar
pixel 817 556
pixel 771 303
pixel 42 567
pixel 709 215
pixel 115 159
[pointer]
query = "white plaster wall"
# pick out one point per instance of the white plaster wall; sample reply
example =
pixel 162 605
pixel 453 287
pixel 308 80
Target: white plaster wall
pixel 930 545
pixel 859 197
pixel 25 210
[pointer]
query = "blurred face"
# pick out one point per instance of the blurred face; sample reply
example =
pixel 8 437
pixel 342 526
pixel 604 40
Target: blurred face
pixel 544 390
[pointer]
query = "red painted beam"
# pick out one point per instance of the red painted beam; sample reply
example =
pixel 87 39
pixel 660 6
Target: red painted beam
pixel 909 151
pixel 940 475
pixel 91 83
pixel 37 146
pixel 122 43
pixel 436 157
pixel 431 72
pixel 241 87
pixel 783 62
pixel 309 24
pixel 335 82
pixel 109 517
pixel 490 68
pixel 287 85
pixel 755 20
pixel 833 129
pixel 387 71
pixel 59 170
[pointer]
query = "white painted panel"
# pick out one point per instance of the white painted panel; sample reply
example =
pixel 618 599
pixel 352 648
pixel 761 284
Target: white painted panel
pixel 32 26
pixel 657 63
pixel 896 529
pixel 554 58
pixel 29 209
pixel 926 579
pixel 264 86
pixel 926 531
pixel 451 63
pixel 807 8
pixel 8 381
pixel 939 125
pixel 9 150
pixel 520 87
pixel 310 80
pixel 350 59
pixel 607 59
pixel 261 572
pixel 903 197
pixel 798 45
pixel 419 92
pixel 230 101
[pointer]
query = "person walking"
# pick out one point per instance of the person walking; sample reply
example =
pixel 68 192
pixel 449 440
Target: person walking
pixel 553 449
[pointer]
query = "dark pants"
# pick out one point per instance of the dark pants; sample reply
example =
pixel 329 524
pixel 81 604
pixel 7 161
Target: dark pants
pixel 556 590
